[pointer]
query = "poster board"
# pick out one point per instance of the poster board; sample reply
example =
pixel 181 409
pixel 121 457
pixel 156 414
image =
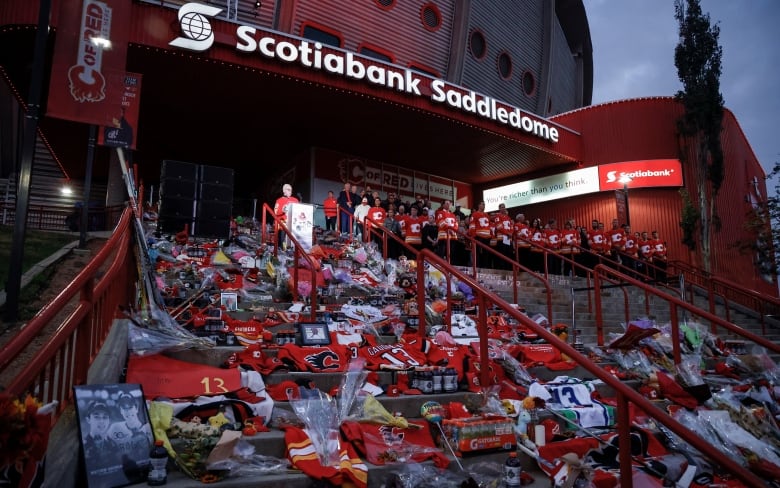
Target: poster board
pixel 115 433
pixel 301 223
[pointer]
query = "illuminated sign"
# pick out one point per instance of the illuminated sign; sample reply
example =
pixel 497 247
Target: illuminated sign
pixel 643 174
pixel 563 185
pixel 316 56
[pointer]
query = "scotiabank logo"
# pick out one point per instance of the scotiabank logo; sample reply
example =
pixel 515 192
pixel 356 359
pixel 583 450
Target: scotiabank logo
pixel 641 174
pixel 195 25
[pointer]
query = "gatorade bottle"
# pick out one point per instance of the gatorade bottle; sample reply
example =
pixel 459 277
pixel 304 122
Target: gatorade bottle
pixel 512 470
pixel 158 471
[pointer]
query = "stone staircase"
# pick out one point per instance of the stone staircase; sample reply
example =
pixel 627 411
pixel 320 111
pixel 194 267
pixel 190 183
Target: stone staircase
pixel 570 305
pixel 273 444
pixel 531 295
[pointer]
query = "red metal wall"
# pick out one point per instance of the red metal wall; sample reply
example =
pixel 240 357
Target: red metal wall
pixel 645 129
pixel 367 22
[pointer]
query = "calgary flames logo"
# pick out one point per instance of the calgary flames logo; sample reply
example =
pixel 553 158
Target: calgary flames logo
pixel 323 360
pixel 87 83
pixel 352 170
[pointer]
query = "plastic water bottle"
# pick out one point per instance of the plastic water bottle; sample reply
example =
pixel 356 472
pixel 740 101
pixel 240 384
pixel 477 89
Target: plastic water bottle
pixel 450 380
pixel 158 471
pixel 426 384
pixel 512 470
pixel 438 379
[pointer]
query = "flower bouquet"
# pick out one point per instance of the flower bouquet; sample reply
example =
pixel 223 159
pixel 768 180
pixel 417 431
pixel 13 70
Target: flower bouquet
pixel 24 437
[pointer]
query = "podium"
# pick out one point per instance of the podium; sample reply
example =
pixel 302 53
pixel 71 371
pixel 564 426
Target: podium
pixel 300 223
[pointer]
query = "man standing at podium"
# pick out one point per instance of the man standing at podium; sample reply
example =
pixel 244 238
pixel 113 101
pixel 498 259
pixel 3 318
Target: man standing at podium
pixel 280 209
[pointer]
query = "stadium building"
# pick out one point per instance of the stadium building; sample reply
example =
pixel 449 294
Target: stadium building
pixel 449 99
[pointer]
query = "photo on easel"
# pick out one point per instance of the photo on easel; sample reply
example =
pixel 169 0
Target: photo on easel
pixel 116 434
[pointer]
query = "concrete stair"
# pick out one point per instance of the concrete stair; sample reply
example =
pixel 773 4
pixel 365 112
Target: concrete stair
pixel 272 443
pixel 570 305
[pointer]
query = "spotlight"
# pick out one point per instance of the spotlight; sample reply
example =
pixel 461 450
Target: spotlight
pixel 66 190
pixel 258 4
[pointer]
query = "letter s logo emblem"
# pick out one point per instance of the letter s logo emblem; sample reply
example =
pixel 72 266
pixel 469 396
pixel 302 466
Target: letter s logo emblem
pixel 611 177
pixel 195 26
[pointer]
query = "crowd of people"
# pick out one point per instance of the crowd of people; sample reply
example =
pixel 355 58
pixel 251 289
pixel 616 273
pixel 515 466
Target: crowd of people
pixel 495 238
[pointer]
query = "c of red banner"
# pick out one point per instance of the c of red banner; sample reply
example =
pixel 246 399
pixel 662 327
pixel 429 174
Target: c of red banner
pixel 88 67
pixel 123 130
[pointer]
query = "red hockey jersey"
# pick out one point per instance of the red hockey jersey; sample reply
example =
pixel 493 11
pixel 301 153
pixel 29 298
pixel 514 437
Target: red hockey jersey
pixel 317 359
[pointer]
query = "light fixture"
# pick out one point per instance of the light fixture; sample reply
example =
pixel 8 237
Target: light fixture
pixel 258 4
pixel 101 42
pixel 66 190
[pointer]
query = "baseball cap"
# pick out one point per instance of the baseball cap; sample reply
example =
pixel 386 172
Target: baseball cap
pixel 125 400
pixel 98 406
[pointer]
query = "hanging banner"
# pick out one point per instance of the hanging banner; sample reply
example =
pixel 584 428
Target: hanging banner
pixel 88 67
pixel 122 132
pixel 621 206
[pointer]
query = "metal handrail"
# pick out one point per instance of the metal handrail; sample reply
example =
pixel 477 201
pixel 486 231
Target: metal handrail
pixel 674 304
pixel 65 359
pixel 625 394
pixel 382 233
pixel 727 290
pixel 298 253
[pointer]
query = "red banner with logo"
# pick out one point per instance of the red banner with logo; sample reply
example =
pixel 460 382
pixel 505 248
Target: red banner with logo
pixel 640 174
pixel 122 132
pixel 88 68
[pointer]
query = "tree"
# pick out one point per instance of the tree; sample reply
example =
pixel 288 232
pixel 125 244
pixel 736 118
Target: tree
pixel 698 61
pixel 763 225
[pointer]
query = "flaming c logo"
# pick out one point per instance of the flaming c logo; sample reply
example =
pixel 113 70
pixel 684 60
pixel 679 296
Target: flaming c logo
pixel 323 360
pixel 87 83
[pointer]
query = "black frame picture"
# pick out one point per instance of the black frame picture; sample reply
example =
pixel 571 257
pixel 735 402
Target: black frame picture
pixel 229 300
pixel 115 432
pixel 314 334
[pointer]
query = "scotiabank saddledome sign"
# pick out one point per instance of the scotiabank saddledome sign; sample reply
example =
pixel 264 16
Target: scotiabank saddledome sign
pixel 635 174
pixel 198 35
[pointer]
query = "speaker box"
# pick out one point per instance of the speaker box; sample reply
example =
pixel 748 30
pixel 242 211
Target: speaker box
pixel 213 219
pixel 175 212
pixel 216 175
pixel 178 170
pixel 216 193
pixel 214 210
pixel 198 195
pixel 178 188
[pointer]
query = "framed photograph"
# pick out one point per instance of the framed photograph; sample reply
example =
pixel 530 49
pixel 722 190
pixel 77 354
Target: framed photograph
pixel 116 435
pixel 314 334
pixel 229 300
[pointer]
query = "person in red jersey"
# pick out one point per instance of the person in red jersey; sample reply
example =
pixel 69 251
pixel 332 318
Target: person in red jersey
pixel 447 224
pixel 597 239
pixel 330 206
pixel 659 256
pixel 522 236
pixel 376 218
pixel 412 228
pixel 630 250
pixel 645 254
pixel 504 230
pixel 280 209
pixel 616 238
pixel 552 240
pixel 570 241
pixel 481 229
